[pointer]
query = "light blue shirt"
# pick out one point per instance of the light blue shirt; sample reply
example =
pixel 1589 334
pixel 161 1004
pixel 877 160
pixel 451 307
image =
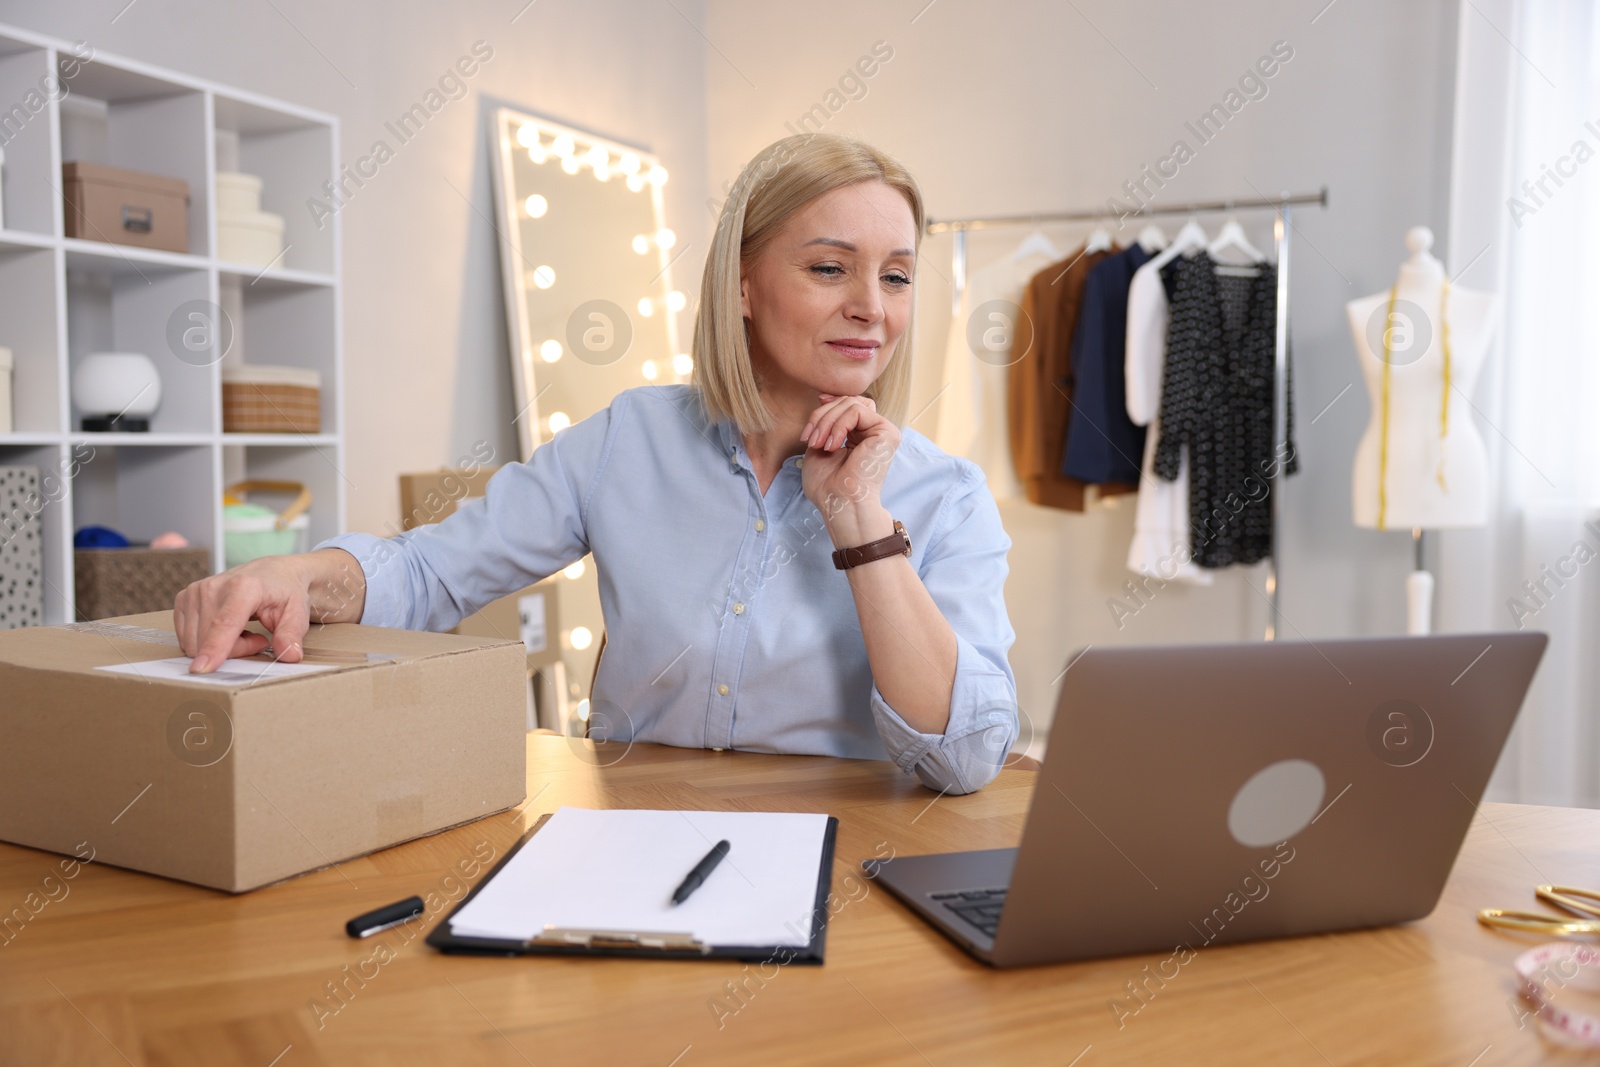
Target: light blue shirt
pixel 727 625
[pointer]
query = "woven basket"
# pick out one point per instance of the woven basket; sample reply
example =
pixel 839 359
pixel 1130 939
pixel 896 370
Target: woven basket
pixel 269 399
pixel 130 581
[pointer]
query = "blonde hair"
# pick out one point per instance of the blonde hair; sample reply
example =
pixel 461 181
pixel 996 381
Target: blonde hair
pixel 783 178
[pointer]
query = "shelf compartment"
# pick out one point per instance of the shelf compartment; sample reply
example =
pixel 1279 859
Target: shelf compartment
pixel 152 313
pixel 143 492
pixel 294 158
pixel 30 183
pixel 317 467
pixel 288 326
pixel 28 299
pixel 126 118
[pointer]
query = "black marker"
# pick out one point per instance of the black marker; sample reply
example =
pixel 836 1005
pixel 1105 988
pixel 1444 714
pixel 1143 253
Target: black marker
pixel 382 919
pixel 701 870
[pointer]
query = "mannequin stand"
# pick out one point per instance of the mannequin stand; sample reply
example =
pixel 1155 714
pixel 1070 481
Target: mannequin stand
pixel 1419 590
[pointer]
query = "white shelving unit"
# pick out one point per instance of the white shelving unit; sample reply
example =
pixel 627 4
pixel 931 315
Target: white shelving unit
pixel 63 298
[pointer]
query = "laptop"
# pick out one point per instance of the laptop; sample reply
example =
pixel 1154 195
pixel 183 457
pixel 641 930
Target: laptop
pixel 1209 794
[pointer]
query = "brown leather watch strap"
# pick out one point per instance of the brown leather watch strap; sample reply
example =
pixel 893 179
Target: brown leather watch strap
pixel 896 544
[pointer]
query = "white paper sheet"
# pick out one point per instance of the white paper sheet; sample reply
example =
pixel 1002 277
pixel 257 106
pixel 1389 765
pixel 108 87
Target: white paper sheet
pixel 235 672
pixel 616 870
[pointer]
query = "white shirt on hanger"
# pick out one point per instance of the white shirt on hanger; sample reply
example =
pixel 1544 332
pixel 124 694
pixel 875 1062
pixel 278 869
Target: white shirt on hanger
pixel 1161 542
pixel 972 397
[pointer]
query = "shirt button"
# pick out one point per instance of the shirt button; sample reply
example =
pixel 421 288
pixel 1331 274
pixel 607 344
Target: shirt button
pixel 738 609
pixel 722 689
pixel 761 524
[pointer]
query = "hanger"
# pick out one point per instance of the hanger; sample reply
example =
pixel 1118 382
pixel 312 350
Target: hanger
pixel 1190 239
pixel 1232 236
pixel 1152 238
pixel 1037 243
pixel 1099 241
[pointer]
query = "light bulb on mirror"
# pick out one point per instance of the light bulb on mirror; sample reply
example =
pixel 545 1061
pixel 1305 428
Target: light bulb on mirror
pixel 537 153
pixel 582 710
pixel 570 164
pixel 536 206
pixel 641 244
pixel 573 571
pixel 629 163
pixel 682 364
pixel 527 135
pixel 666 238
pixel 646 308
pixel 563 146
pixel 649 370
pixel 657 175
pixel 635 183
pixel 558 421
pixel 598 156
pixel 580 637
pixel 544 276
pixel 550 350
pixel 676 301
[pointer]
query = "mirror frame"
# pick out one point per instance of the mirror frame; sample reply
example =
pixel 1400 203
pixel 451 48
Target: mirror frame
pixel 505 122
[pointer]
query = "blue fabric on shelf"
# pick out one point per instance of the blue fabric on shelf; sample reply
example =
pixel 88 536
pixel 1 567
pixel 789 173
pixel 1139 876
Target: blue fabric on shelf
pixel 98 537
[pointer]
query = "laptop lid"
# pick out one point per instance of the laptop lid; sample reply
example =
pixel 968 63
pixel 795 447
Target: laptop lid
pixel 1204 794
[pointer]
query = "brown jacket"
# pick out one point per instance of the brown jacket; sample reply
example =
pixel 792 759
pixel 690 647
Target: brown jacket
pixel 1039 393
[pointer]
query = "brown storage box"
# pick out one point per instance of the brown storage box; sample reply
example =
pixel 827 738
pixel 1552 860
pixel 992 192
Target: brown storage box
pixel 127 581
pixel 259 398
pixel 126 207
pixel 529 614
pixel 239 785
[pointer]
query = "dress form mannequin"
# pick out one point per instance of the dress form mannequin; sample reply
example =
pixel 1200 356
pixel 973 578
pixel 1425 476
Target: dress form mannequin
pixel 1421 463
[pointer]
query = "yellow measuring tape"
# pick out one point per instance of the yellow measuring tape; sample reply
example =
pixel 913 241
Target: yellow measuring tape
pixel 1444 408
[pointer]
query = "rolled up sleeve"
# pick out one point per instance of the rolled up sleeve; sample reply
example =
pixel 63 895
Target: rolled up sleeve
pixel 964 569
pixel 529 524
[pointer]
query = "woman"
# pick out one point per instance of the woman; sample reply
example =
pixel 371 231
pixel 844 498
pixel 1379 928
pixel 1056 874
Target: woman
pixel 714 510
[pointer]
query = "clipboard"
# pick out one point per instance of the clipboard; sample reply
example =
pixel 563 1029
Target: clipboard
pixel 640 944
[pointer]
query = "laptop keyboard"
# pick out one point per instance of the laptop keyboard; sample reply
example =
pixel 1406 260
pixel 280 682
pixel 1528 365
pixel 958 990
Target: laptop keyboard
pixel 978 907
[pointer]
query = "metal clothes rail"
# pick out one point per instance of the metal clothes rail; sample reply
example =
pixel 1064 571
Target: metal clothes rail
pixel 1280 206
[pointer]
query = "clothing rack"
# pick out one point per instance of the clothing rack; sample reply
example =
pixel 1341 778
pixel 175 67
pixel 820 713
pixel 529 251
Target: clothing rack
pixel 1280 206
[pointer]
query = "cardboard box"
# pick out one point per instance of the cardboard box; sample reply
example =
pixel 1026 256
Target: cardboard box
pixel 238 785
pixel 126 207
pixel 530 613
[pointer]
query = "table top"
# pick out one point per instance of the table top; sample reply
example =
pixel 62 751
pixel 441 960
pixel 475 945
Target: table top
pixel 123 968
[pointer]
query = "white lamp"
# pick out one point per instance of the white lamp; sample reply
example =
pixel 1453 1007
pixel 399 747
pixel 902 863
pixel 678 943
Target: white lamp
pixel 116 391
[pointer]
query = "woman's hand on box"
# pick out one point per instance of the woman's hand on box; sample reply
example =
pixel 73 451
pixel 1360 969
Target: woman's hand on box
pixel 281 592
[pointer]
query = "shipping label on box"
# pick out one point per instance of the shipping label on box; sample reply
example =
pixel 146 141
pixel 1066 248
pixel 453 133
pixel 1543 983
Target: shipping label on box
pixel 269 771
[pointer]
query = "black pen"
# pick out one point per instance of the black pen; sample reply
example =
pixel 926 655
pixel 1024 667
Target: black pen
pixel 393 915
pixel 692 881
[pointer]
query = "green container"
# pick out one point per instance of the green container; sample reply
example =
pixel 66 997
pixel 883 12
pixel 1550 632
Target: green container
pixel 250 531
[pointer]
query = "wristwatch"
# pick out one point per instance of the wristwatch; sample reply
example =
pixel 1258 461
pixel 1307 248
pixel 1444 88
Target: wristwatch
pixel 896 544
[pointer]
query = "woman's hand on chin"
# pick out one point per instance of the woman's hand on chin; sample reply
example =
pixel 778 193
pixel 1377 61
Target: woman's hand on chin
pixel 848 450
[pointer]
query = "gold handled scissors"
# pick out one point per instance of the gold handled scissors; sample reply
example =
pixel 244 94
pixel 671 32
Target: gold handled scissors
pixel 1578 901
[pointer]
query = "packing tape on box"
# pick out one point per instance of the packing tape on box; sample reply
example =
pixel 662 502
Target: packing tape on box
pixel 152 636
pixel 1560 964
pixel 123 630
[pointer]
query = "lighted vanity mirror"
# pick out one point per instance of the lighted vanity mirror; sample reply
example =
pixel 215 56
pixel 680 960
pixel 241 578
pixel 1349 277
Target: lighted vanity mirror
pixel 586 259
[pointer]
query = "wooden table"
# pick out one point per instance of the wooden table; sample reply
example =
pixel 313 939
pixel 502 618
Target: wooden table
pixel 127 968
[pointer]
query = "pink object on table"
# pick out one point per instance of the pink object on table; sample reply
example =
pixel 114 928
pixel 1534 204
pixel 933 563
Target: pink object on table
pixel 170 539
